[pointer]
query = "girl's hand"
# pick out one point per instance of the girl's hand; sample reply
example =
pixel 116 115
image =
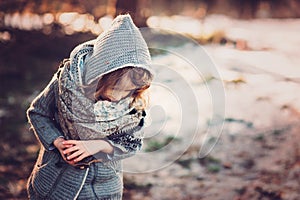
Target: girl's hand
pixel 58 143
pixel 80 149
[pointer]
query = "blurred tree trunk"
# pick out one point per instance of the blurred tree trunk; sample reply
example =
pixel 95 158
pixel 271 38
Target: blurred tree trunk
pixel 246 9
pixel 135 9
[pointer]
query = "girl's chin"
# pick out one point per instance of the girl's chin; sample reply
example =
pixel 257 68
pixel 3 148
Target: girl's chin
pixel 106 99
pixel 111 99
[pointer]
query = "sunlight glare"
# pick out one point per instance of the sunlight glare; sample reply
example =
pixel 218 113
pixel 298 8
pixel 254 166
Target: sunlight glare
pixel 79 23
pixel 26 22
pixel 67 17
pixel 48 18
pixel 4 36
pixel 177 23
pixel 105 21
pixel 96 29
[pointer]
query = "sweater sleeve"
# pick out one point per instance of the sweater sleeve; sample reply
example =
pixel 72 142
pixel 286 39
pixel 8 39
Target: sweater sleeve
pixel 41 117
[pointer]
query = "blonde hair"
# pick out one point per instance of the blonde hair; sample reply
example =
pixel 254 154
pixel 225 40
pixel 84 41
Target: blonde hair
pixel 141 78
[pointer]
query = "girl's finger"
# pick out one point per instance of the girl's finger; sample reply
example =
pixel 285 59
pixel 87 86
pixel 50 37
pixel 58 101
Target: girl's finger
pixel 71 149
pixel 81 157
pixel 75 154
pixel 67 146
pixel 70 142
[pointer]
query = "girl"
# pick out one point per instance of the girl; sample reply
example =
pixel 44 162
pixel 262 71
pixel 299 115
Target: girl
pixel 90 116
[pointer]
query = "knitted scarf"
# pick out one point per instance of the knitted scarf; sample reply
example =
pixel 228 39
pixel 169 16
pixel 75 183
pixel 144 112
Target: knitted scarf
pixel 81 118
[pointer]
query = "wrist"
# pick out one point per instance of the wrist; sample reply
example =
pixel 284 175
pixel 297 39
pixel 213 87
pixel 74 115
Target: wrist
pixel 106 147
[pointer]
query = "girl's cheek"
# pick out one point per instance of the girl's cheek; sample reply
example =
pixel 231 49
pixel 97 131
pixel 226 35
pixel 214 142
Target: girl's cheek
pixel 123 95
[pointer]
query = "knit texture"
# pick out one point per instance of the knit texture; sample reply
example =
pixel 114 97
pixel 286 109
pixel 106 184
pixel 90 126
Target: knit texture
pixel 98 119
pixel 120 46
pixel 52 178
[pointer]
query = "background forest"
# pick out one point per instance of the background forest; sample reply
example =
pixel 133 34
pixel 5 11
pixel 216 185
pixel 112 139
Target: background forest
pixel 254 44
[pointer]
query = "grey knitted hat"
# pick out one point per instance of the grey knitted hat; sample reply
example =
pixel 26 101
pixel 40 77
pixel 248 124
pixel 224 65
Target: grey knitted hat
pixel 120 46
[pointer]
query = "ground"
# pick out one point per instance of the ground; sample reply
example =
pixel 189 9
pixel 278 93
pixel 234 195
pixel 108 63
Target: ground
pixel 257 154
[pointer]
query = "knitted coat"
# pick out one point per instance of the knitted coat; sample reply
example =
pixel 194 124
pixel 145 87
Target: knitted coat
pixel 52 178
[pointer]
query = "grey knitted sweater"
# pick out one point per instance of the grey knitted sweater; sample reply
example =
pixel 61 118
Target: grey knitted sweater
pixel 52 178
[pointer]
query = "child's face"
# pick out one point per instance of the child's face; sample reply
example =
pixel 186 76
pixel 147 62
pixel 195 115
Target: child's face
pixel 123 88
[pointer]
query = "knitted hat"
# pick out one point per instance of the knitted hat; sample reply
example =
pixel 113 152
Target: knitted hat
pixel 122 45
